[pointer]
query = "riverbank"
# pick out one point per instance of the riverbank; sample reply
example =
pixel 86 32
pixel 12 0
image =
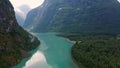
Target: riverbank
pixel 70 41
pixel 92 48
pixel 27 51
pixel 79 65
pixel 24 60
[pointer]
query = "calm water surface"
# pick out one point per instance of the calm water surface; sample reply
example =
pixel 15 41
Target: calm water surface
pixel 53 52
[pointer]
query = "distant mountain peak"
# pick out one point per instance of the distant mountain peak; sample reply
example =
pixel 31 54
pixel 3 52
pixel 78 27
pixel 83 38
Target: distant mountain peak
pixel 24 8
pixel 21 13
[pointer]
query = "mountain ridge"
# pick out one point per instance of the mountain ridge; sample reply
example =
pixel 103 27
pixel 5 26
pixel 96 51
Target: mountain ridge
pixel 92 17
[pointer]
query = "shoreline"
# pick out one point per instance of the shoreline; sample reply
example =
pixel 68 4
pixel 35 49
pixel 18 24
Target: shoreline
pixel 26 55
pixel 71 41
pixel 74 61
pixel 79 65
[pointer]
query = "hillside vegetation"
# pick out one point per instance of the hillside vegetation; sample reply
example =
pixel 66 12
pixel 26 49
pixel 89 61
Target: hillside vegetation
pixel 15 42
pixel 100 51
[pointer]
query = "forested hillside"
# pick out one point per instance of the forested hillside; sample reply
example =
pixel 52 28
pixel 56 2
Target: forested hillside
pixel 78 16
pixel 15 42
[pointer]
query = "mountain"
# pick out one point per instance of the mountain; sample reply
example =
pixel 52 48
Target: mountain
pixel 31 16
pixel 20 16
pixel 24 8
pixel 78 16
pixel 21 13
pixel 15 42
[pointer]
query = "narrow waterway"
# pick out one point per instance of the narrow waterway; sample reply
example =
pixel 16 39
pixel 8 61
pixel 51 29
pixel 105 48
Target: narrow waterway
pixel 53 52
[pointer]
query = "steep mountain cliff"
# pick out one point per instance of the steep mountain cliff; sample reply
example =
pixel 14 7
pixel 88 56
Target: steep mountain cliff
pixel 31 17
pixel 83 16
pixel 14 41
pixel 21 13
pixel 20 18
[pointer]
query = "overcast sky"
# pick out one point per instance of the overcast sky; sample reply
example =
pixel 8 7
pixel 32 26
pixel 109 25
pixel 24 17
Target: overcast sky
pixel 31 3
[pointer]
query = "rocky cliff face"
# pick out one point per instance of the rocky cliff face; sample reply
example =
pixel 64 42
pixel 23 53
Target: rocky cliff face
pixel 83 16
pixel 13 39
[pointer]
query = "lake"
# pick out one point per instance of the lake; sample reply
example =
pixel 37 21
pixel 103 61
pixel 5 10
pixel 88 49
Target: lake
pixel 53 52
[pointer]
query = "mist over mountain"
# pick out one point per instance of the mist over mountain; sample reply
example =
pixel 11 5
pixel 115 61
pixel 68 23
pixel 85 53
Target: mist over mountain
pixel 20 16
pixel 31 17
pixel 24 8
pixel 21 13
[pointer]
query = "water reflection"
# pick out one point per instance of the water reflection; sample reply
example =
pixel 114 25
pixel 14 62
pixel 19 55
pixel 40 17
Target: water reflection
pixel 38 60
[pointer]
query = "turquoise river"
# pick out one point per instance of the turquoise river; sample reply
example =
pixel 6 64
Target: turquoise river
pixel 53 52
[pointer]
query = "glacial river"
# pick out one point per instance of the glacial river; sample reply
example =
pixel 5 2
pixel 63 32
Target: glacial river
pixel 53 52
